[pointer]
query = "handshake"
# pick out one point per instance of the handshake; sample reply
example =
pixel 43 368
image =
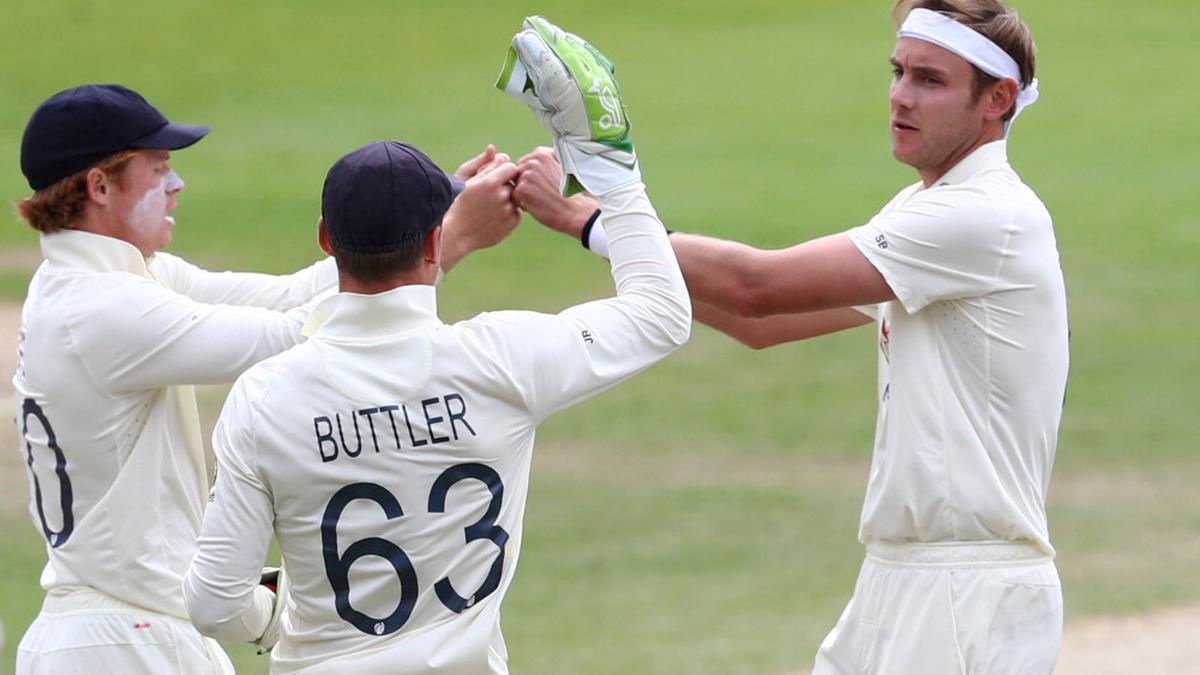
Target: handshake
pixel 570 87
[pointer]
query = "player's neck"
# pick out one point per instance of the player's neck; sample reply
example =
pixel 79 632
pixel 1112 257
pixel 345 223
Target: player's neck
pixel 349 284
pixel 931 175
pixel 103 223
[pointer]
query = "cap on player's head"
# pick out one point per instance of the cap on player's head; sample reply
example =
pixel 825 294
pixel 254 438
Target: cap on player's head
pixel 383 198
pixel 77 128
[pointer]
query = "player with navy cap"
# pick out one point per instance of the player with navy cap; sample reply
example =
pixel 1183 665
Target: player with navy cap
pixel 114 334
pixel 390 453
pixel 79 127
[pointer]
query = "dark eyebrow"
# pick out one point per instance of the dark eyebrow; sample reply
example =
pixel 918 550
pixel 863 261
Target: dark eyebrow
pixel 930 71
pixel 922 70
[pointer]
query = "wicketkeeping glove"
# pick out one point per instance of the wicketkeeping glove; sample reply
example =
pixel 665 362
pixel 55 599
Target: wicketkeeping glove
pixel 570 86
pixel 277 581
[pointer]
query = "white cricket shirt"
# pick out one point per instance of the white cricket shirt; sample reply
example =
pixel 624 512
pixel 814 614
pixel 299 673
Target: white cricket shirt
pixel 108 348
pixel 972 358
pixel 390 456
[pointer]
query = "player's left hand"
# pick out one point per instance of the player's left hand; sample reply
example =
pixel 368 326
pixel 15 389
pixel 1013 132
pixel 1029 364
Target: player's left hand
pixel 570 87
pixel 470 168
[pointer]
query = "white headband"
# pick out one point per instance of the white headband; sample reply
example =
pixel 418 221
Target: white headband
pixel 945 32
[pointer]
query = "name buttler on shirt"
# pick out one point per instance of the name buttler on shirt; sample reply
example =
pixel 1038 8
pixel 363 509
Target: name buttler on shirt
pixel 429 422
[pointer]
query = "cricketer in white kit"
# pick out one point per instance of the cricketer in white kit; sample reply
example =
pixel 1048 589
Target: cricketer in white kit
pixel 390 454
pixel 961 275
pixel 113 335
pixel 959 575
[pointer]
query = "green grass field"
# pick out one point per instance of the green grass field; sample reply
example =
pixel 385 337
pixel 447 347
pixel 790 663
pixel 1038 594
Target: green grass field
pixel 701 518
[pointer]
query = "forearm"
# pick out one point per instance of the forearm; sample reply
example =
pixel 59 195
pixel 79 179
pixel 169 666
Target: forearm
pixel 455 245
pixel 484 213
pixel 827 273
pixel 601 343
pixel 718 272
pixel 221 587
pixel 644 267
pixel 760 333
pixel 241 618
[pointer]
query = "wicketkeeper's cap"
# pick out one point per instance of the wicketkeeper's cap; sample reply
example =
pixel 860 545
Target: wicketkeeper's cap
pixel 78 128
pixel 384 196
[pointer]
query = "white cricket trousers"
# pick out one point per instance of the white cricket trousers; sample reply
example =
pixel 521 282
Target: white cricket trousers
pixel 83 631
pixel 987 608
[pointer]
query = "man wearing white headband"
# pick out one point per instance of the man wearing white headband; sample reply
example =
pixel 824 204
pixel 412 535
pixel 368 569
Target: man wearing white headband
pixel 960 273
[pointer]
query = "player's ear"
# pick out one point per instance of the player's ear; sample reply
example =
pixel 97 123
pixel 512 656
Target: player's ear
pixel 98 185
pixel 323 236
pixel 1000 97
pixel 431 252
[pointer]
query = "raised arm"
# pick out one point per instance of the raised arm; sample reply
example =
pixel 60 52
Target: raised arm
pixel 559 360
pixel 249 289
pixel 825 273
pixel 146 336
pixel 483 214
pixel 758 297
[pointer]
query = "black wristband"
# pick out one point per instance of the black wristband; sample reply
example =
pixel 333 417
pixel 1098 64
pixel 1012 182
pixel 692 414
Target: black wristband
pixel 587 228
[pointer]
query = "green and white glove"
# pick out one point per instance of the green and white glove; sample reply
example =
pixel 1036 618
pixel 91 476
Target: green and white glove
pixel 570 86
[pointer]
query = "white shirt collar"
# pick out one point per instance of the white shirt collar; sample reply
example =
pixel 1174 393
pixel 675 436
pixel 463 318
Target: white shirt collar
pixel 986 156
pixel 354 317
pixel 85 251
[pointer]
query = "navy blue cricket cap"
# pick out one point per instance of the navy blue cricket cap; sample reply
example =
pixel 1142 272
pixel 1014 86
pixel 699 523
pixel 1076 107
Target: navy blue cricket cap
pixel 77 128
pixel 377 198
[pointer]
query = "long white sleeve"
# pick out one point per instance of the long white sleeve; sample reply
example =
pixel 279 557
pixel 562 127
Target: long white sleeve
pixel 558 360
pixel 644 267
pixel 221 587
pixel 278 292
pixel 149 336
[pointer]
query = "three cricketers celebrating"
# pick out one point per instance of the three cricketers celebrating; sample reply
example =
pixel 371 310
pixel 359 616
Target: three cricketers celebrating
pixel 959 271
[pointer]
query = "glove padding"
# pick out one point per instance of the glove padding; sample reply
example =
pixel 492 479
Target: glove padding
pixel 274 579
pixel 570 86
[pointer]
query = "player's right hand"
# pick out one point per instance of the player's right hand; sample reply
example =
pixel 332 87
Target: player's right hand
pixel 570 87
pixel 468 169
pixel 484 213
pixel 276 580
pixel 270 579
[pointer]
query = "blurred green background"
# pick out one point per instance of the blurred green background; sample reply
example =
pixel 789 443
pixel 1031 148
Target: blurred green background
pixel 701 518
